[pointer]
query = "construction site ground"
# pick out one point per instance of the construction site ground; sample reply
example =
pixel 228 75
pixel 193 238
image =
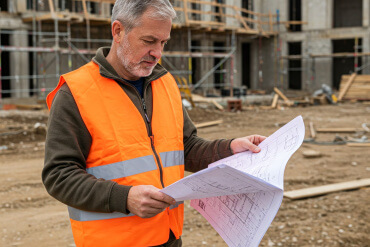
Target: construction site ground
pixel 30 217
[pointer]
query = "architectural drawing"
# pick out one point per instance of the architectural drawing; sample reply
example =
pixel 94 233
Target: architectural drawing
pixel 240 195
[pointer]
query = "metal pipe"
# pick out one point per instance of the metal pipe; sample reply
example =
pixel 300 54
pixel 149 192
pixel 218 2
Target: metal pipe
pixel 33 32
pixel 34 40
pixel 213 70
pixel 57 59
pixel 28 90
pixel 25 77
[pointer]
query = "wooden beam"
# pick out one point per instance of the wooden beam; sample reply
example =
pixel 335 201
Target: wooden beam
pixel 29 107
pixel 280 94
pixel 51 6
pixel 218 106
pixel 186 12
pixel 347 86
pixel 275 101
pixel 337 130
pixel 207 124
pixel 325 189
pixel 238 17
pixel 353 144
pixel 270 22
pixel 283 96
pixel 312 131
pixel 85 9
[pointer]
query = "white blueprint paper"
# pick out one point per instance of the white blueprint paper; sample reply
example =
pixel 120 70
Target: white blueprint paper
pixel 240 195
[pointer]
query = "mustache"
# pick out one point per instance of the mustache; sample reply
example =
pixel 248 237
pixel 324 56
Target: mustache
pixel 149 59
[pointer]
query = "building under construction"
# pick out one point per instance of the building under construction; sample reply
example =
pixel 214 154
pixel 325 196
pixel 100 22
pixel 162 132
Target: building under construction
pixel 217 47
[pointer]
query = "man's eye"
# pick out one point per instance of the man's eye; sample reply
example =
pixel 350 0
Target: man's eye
pixel 149 41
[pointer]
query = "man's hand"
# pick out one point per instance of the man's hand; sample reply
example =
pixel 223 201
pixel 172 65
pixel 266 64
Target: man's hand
pixel 242 144
pixel 146 201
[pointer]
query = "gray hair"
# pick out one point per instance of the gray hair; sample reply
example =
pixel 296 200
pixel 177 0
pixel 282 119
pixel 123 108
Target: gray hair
pixel 128 12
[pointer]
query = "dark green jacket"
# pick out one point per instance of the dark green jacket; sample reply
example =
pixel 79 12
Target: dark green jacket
pixel 68 142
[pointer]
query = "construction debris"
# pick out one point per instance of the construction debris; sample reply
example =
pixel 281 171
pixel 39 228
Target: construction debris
pixel 325 92
pixel 311 154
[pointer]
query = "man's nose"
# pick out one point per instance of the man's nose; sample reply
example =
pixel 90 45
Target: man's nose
pixel 156 51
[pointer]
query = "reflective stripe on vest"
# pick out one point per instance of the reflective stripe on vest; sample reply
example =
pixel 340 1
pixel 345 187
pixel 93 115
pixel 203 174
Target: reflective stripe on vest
pixel 135 166
pixel 80 215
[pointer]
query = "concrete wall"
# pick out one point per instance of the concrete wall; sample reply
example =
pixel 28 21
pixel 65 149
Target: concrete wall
pixel 316 38
pixel 19 65
pixel 318 14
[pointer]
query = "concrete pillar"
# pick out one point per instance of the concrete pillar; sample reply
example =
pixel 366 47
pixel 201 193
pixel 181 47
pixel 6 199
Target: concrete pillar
pixel 106 11
pixel 206 8
pixel 206 63
pixel 230 11
pixel 19 65
pixel 365 12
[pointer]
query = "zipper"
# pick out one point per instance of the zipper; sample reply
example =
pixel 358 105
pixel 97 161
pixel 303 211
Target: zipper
pixel 151 136
pixel 149 126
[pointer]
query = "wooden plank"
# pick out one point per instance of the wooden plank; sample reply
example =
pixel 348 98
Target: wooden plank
pixel 282 95
pixel 337 130
pixel 218 106
pixel 275 101
pixel 51 7
pixel 85 9
pixel 348 85
pixel 352 144
pixel 238 17
pixel 207 124
pixel 186 12
pixel 312 131
pixel 326 189
pixel 29 107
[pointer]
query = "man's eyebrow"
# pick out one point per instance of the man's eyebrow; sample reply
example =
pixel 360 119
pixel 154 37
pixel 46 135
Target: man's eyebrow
pixel 154 38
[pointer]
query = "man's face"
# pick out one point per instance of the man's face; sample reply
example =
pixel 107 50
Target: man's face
pixel 140 49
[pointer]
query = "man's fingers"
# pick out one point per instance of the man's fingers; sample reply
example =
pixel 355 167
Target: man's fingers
pixel 159 196
pixel 252 147
pixel 258 139
pixel 146 201
pixel 247 143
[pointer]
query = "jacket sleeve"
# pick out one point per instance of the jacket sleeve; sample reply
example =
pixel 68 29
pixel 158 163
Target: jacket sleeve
pixel 67 146
pixel 199 153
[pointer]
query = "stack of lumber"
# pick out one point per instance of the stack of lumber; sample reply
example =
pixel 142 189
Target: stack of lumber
pixel 355 88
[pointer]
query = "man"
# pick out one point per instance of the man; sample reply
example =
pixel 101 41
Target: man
pixel 118 133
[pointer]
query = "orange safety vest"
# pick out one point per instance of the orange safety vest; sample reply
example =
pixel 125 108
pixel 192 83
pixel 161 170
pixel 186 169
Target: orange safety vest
pixel 123 152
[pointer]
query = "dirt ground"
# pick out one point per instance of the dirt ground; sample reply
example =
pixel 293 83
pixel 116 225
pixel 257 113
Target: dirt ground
pixel 30 217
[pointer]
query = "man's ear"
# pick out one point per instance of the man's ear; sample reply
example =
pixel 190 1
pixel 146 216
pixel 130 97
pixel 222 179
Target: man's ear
pixel 117 31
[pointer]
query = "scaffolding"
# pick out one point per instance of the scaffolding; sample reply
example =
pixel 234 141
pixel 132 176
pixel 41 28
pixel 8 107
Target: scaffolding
pixel 311 60
pixel 49 23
